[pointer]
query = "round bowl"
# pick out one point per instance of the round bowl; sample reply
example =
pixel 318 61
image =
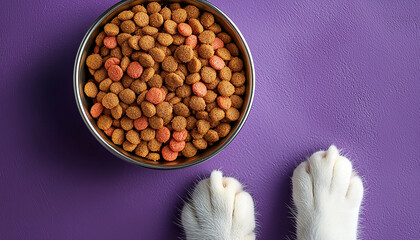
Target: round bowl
pixel 81 76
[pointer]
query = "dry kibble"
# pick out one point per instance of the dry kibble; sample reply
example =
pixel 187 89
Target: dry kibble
pixel 232 114
pixel 184 53
pixel 126 123
pixel 91 90
pixel 128 26
pixel 141 19
pixel 217 114
pixel 142 150
pixel 127 96
pixel 179 15
pixel 147 134
pixel 207 37
pixel 165 39
pixel 165 75
pixel 156 122
pixel 133 137
pixel 179 123
pixel 225 88
pixel 111 29
pixel 133 112
pixel 206 51
pixel 148 109
pixel 110 100
pixel 156 20
pixel 128 146
pixel 118 136
pixel 94 61
pixel 208 74
pixel 211 136
pixel 104 122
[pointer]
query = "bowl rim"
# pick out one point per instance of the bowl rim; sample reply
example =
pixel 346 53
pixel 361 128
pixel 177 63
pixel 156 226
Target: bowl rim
pixel 117 153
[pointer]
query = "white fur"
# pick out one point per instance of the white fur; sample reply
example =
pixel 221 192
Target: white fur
pixel 219 210
pixel 327 194
pixel 326 191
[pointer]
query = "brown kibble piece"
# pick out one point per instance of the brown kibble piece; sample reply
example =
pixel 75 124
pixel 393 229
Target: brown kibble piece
pixel 91 90
pixel 192 11
pixel 238 79
pixel 232 114
pixel 147 134
pixel 133 137
pixel 224 54
pixel 170 27
pixel 117 136
pixel 94 61
pixel 153 7
pixel 184 53
pixel 211 136
pixel 189 150
pixel 223 129
pixel 240 90
pixel 169 64
pixel 179 15
pixel 193 78
pixel 156 122
pixel 197 103
pixel 233 49
pixel 207 37
pixel 210 96
pixel 164 109
pixel 126 123
pixel 157 54
pixel 146 60
pixel 181 109
pixel 165 39
pixel 148 109
pixel 141 19
pixel 138 86
pixel 200 143
pixel 142 150
pixel 154 145
pixel 236 64
pixel 156 81
pixel 194 65
pixel 179 123
pixel 207 19
pixel 206 51
pixel 173 80
pixel 156 20
pixel 147 42
pixel 128 26
pixel 225 74
pixel 216 28
pixel 99 40
pixel 111 29
pixel 110 100
pixel 208 74
pixel 178 40
pixel 127 96
pixel 166 13
pixel 202 126
pixel 125 15
pixel 104 122
pixel 117 112
pixel 224 37
pixel 225 88
pixel 133 112
pixel 128 146
pixel 217 114
pixel 153 156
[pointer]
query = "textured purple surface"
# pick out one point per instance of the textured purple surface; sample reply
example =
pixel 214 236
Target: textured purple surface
pixel 327 72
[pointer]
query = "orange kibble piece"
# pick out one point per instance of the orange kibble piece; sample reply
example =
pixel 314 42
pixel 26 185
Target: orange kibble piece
pixel 168 154
pixel 96 110
pixel 134 70
pixel 199 89
pixel 163 134
pixel 180 135
pixel 184 29
pixel 109 131
pixel 217 43
pixel 111 61
pixel 110 42
pixel 217 63
pixel 141 123
pixel 155 95
pixel 191 41
pixel 224 102
pixel 176 146
pixel 115 73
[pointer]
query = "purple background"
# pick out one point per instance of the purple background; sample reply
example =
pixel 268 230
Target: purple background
pixel 328 72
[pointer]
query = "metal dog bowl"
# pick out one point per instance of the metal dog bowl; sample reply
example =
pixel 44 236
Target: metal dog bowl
pixel 81 76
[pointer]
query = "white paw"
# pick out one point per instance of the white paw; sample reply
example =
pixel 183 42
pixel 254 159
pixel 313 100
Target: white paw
pixel 327 194
pixel 219 209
